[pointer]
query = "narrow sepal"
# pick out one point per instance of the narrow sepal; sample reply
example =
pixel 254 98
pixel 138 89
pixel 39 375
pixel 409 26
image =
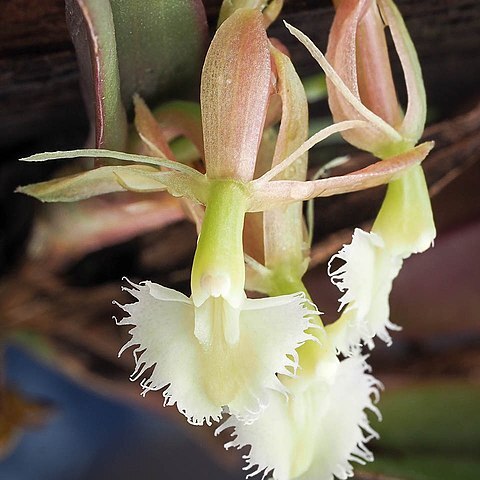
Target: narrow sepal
pixel 82 185
pixel 234 94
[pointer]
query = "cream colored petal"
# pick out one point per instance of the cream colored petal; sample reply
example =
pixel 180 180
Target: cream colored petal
pixel 366 278
pixel 203 378
pixel 316 432
pixel 271 331
pixel 163 322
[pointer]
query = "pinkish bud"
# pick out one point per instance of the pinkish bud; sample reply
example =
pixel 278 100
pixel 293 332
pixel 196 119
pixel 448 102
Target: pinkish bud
pixel 357 50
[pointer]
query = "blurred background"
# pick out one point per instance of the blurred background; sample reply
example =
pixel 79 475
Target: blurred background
pixel 67 408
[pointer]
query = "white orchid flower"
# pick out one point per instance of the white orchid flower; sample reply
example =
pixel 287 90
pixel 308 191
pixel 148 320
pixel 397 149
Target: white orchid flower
pixel 318 430
pixel 364 88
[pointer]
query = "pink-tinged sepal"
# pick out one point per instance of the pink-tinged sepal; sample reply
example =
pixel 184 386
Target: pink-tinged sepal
pixel 234 96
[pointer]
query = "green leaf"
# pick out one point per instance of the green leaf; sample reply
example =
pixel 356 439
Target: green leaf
pixel 160 47
pixel 91 26
pixel 123 47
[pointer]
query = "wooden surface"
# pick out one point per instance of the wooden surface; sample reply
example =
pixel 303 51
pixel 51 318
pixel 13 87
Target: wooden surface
pixel 39 92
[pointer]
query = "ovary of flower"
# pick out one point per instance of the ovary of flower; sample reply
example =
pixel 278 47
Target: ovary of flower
pixel 317 431
pixel 218 348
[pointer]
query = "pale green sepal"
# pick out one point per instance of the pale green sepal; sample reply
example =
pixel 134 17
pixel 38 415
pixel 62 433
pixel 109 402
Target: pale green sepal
pixel 182 181
pixel 83 185
pixel 265 194
pixel 121 156
pixel 283 227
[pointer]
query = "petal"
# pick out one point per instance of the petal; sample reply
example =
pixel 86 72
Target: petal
pixel 121 156
pixel 350 96
pixel 234 94
pixel 203 378
pixel 283 227
pixel 265 195
pixel 316 432
pixel 414 122
pixel 366 279
pixel 357 50
pixel 271 331
pixel 163 322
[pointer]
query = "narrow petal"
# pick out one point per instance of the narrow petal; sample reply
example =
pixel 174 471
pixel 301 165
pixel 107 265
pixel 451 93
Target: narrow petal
pixel 278 192
pixel 293 157
pixel 219 373
pixel 283 227
pixel 180 181
pixel 415 115
pixel 234 95
pixel 365 278
pixel 316 432
pixel 383 127
pixel 121 156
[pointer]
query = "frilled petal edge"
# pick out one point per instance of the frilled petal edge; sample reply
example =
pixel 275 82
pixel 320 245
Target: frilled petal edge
pixel 365 278
pixel 316 432
pixel 202 379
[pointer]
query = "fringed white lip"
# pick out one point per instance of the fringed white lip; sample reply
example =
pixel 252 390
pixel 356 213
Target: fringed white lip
pixel 316 432
pixel 366 279
pixel 202 379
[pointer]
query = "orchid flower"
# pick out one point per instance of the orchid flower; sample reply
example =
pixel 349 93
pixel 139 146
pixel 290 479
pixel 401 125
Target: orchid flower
pixel 361 86
pixel 232 348
pixel 321 426
pixel 318 431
